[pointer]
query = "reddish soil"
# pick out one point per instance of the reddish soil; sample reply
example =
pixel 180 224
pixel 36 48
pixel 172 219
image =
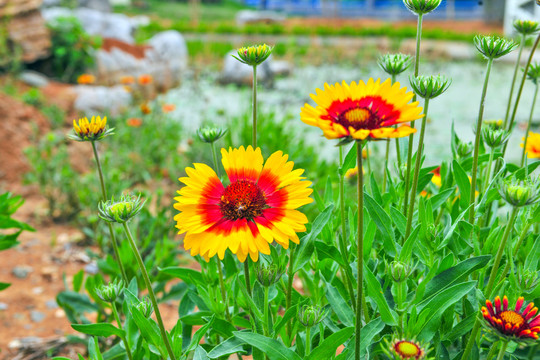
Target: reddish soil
pixel 137 51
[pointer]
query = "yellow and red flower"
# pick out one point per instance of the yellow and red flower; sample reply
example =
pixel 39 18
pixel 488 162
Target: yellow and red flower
pixel 533 145
pixel 512 323
pixel 86 79
pixel 145 109
pixel 93 130
pixel 436 178
pixel 405 349
pixel 257 207
pixel 359 111
pixel 145 79
pixel 134 122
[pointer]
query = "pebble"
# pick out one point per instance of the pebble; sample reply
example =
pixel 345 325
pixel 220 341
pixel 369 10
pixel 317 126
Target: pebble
pixel 37 316
pixel 22 271
pixel 37 290
pixel 51 304
pixel 3 306
pixel 91 268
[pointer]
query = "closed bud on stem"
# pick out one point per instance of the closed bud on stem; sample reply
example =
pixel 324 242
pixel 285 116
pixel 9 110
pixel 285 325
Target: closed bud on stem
pixel 310 315
pixel 494 137
pixel 520 193
pixel 394 64
pixel 494 124
pixel 254 55
pixel 464 149
pixel 527 280
pixel 122 210
pixel 400 271
pixel 210 134
pixel 429 87
pixel 526 27
pixel 110 292
pixel 493 47
pixel 269 274
pixel 533 73
pixel 421 7
pixel 145 307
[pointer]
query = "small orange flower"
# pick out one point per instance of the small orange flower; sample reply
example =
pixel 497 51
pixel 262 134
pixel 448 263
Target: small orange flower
pixel 134 122
pixel 127 80
pixel 167 108
pixel 512 324
pixel 86 79
pixel 533 145
pixel 145 109
pixel 436 179
pixel 145 79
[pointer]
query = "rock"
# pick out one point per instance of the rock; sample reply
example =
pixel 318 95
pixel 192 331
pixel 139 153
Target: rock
pixel 22 271
pixel 101 99
pixel 100 5
pixel 37 290
pixel 37 316
pixel 235 72
pixel 3 306
pixel 49 273
pixel 169 49
pixel 244 17
pixel 51 304
pixel 51 3
pixel 34 79
pixel 91 268
pixel 281 67
pixel 13 8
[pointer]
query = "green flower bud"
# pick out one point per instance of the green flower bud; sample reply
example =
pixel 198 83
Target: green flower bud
pixel 429 87
pixel 493 47
pixel 394 64
pixel 400 271
pixel 254 55
pixel 310 315
pixel 122 210
pixel 533 73
pixel 494 137
pixel 520 193
pixel 269 274
pixel 210 134
pixel 494 124
pixel 145 307
pixel 110 292
pixel 464 149
pixel 526 279
pixel 526 27
pixel 421 7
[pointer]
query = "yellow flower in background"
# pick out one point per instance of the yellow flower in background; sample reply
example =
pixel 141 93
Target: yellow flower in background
pixel 92 130
pixel 145 109
pixel 363 110
pixel 436 179
pixel 353 172
pixel 86 79
pixel 533 145
pixel 256 208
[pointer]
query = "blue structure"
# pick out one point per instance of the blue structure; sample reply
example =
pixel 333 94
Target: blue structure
pixel 387 9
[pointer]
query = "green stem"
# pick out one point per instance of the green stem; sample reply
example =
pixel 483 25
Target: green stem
pixel 246 275
pixel 254 136
pixel 288 300
pixel 417 170
pixel 223 291
pixel 487 176
pixel 360 248
pixel 214 156
pixel 308 340
pixel 266 306
pixel 491 281
pixel 399 288
pixel 343 237
pixel 533 352
pixel 477 143
pixel 385 165
pixel 111 231
pixel 124 339
pixel 492 352
pixel 521 46
pixel 398 152
pixel 409 150
pixel 503 351
pixel 529 125
pixel 151 294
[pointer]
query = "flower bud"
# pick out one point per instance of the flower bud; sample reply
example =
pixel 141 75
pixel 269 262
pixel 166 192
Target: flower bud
pixel 394 64
pixel 421 7
pixel 527 280
pixel 429 87
pixel 110 292
pixel 210 134
pixel 254 55
pixel 145 307
pixel 494 137
pixel 269 274
pixel 493 47
pixel 533 73
pixel 93 130
pixel 400 271
pixel 494 124
pixel 122 210
pixel 520 193
pixel 526 27
pixel 464 149
pixel 310 315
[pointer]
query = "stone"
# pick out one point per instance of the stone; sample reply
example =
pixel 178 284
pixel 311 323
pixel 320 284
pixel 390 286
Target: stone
pixel 169 49
pixel 37 290
pixel 34 79
pixel 101 99
pixel 28 32
pixel 235 72
pixel 22 271
pixel 244 17
pixel 3 306
pixel 12 8
pixel 281 68
pixel 51 304
pixel 37 316
pixel 100 5
pixel 91 268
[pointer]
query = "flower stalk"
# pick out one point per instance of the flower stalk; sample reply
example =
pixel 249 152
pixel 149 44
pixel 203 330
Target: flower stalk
pixel 513 83
pixel 529 125
pixel 503 350
pixel 359 249
pixel 124 338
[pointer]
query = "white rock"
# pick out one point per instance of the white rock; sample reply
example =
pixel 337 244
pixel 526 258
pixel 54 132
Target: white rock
pixel 235 72
pixel 33 78
pixel 281 67
pixel 100 5
pixel 168 48
pixel 99 99
pixel 244 17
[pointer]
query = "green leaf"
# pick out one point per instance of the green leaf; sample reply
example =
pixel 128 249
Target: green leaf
pixel 521 173
pixel 197 337
pixel 399 220
pixel 383 222
pixel 327 349
pixel 4 285
pixel 149 330
pixel 438 199
pixel 93 349
pixel 464 185
pixel 272 348
pixel 78 280
pixel 230 346
pixel 99 329
pixel 200 354
pixel 451 277
pixel 339 305
pixel 450 232
pixel 349 162
pixel 407 248
pixel 461 328
pixel 325 251
pixel 376 293
pixel 531 262
pixel 368 332
pixel 196 318
pixel 189 276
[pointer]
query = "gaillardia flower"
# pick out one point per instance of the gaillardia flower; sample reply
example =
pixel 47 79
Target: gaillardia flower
pixel 359 111
pixel 95 129
pixel 257 207
pixel 401 349
pixel 512 324
pixel 533 145
pixel 86 79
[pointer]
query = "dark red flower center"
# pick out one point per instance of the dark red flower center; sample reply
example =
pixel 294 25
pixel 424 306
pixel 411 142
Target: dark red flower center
pixel 370 112
pixel 407 349
pixel 242 199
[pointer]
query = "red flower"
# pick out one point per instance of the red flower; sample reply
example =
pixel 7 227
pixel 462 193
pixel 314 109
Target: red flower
pixel 512 323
